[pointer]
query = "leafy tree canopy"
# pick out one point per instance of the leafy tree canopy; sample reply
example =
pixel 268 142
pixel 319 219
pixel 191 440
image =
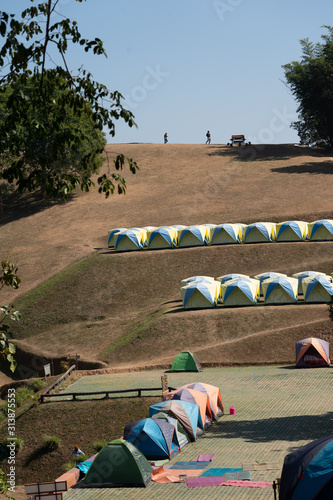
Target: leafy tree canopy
pixel 311 82
pixel 8 277
pixel 52 119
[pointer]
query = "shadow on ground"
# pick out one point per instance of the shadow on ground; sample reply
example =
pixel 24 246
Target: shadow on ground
pixel 325 167
pixel 20 206
pixel 293 428
pixel 265 152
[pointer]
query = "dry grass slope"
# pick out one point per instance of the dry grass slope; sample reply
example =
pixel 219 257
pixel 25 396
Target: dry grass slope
pixel 79 297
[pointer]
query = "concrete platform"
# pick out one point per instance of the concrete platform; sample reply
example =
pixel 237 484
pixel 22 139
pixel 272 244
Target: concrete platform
pixel 277 409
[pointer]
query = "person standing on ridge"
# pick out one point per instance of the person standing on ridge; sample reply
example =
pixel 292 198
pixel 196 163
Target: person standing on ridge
pixel 208 137
pixel 165 138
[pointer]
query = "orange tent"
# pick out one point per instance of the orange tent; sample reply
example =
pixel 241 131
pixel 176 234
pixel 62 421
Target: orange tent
pixel 213 394
pixel 196 397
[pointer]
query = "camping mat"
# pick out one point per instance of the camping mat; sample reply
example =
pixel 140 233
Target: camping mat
pixel 248 484
pixel 233 476
pixel 164 476
pixel 218 472
pixel 261 466
pixel 195 482
pixel 205 458
pixel 189 465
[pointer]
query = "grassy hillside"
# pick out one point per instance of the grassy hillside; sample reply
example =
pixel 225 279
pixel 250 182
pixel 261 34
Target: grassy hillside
pixel 77 296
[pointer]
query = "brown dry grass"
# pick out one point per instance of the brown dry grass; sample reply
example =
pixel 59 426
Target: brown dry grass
pixel 135 296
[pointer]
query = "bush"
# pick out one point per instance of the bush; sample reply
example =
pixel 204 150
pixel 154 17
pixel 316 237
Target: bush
pixel 18 444
pixel 99 445
pixel 51 443
pixel 36 384
pixel 23 394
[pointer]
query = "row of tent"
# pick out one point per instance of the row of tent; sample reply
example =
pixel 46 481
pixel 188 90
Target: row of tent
pixel 242 290
pixel 180 418
pixel 178 236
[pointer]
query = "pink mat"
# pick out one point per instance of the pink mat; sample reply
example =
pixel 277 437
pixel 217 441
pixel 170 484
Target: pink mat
pixel 248 484
pixel 195 482
pixel 205 458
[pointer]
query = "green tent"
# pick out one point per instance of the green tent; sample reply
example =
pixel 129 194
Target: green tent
pixel 119 463
pixel 186 362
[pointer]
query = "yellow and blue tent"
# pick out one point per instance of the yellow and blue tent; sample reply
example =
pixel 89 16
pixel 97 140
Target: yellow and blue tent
pixel 130 239
pixel 198 295
pixel 304 274
pixel 317 289
pixel 239 292
pixel 224 234
pixel 321 230
pixel 193 236
pixel 162 237
pixel 292 230
pixel 204 279
pixel 112 235
pixel 269 274
pixel 228 277
pixel 280 290
pixel 259 232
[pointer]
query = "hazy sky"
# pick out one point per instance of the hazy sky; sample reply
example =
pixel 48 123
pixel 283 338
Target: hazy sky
pixel 186 66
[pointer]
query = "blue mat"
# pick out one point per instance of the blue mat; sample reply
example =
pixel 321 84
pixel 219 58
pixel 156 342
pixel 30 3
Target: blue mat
pixel 190 465
pixel 84 466
pixel 218 472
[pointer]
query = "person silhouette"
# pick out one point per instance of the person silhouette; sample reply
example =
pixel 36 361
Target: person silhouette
pixel 208 137
pixel 165 138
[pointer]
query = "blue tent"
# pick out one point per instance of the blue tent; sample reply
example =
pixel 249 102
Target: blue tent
pixel 280 290
pixel 307 473
pixel 155 438
pixel 181 434
pixel 188 415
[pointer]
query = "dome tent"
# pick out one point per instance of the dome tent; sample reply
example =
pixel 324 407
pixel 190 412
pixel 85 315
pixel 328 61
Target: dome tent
pixel 317 289
pixel 264 276
pixel 259 232
pixel 112 236
pixel 193 396
pixel 181 434
pixel 321 230
pixel 188 415
pixel 193 236
pixel 225 234
pixel 280 290
pixel 130 239
pixel 307 472
pixel 162 237
pixel 192 279
pixel 291 230
pixel 312 352
pixel 119 463
pixel 228 277
pixel 156 439
pixel 186 361
pixel 304 274
pixel 198 295
pixel 239 292
pixel 213 393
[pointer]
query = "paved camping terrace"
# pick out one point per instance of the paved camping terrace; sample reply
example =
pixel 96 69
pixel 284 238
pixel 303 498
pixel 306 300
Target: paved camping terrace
pixel 277 409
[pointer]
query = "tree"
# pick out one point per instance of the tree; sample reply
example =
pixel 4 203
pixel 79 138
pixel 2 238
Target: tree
pixel 39 146
pixel 311 82
pixel 8 277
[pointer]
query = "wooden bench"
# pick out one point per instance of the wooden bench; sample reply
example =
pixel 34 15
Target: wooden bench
pixel 237 139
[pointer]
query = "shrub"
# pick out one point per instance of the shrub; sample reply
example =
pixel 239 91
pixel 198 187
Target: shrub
pixel 18 444
pixel 51 443
pixel 99 445
pixel 23 394
pixel 36 384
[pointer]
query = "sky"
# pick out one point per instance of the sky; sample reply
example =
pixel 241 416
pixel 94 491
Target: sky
pixel 188 66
